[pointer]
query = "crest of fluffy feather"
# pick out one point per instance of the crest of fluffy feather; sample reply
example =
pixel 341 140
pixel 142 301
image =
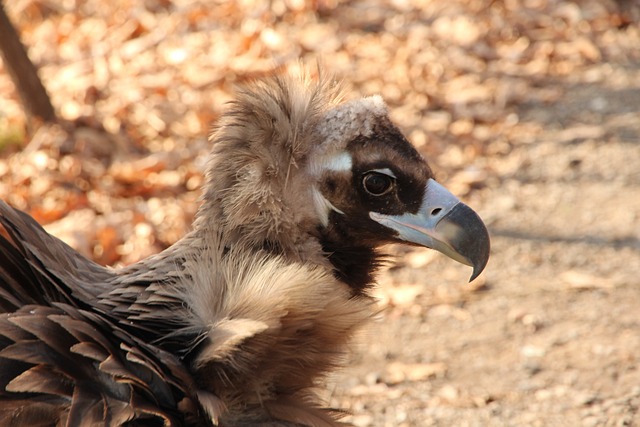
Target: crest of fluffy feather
pixel 257 191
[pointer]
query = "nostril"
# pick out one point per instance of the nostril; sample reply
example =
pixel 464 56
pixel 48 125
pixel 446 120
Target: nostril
pixel 436 211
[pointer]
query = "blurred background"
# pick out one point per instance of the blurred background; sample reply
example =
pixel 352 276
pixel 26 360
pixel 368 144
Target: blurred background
pixel 529 110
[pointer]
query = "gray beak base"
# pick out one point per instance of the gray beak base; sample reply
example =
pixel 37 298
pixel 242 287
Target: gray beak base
pixel 445 224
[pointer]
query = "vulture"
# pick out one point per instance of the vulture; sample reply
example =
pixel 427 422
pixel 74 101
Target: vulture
pixel 240 321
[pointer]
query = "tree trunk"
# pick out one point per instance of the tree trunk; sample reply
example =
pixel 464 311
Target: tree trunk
pixel 23 73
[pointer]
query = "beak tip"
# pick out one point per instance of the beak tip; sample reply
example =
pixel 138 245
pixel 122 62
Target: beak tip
pixel 482 257
pixel 476 273
pixel 481 261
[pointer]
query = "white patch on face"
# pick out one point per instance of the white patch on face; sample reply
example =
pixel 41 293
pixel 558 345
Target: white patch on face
pixel 340 162
pixel 323 207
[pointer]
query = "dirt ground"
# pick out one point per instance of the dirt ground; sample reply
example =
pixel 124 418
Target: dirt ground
pixel 529 110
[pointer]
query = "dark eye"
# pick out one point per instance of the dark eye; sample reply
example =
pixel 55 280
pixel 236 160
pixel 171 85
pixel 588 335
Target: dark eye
pixel 376 183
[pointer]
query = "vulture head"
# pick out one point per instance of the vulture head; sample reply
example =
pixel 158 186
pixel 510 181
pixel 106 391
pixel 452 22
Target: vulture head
pixel 297 172
pixel 237 323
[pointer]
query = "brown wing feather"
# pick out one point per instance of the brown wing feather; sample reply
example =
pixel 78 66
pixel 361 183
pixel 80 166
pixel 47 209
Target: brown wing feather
pixel 63 359
pixel 37 268
pixel 97 379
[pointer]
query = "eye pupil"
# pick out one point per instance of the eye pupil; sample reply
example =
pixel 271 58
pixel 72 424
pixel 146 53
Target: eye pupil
pixel 376 183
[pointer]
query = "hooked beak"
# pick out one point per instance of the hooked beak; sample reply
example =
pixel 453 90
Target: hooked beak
pixel 445 224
